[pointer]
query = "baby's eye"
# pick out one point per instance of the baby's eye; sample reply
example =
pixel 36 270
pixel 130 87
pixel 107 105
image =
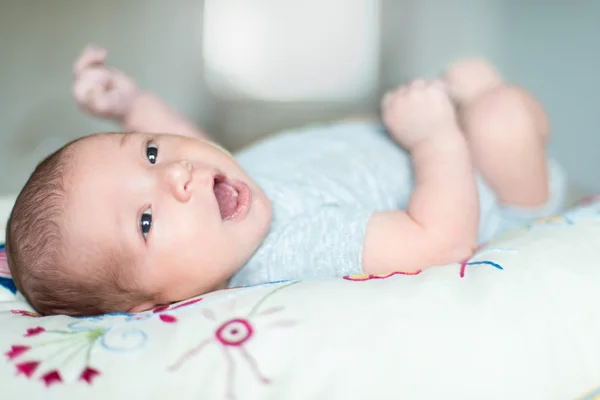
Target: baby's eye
pixel 146 222
pixel 151 152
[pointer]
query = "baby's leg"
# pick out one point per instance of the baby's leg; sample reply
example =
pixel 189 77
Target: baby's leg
pixel 507 130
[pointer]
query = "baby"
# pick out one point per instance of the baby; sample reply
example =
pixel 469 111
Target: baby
pixel 124 222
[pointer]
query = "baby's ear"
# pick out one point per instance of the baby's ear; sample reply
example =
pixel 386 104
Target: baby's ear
pixel 148 305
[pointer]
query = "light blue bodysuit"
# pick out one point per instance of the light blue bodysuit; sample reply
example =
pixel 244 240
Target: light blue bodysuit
pixel 325 182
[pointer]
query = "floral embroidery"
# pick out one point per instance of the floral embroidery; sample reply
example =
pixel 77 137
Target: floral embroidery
pixel 482 250
pixel 472 261
pixel 554 220
pixel 55 353
pixel 365 277
pixel 232 335
pixel 168 318
pixel 73 346
pixel 34 331
pixel 26 313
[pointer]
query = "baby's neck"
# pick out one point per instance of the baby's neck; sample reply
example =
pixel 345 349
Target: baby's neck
pixel 223 285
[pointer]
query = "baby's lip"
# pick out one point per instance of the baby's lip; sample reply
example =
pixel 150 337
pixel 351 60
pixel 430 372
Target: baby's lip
pixel 243 197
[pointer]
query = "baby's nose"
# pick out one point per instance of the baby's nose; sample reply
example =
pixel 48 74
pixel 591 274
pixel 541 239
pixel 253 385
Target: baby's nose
pixel 186 165
pixel 178 176
pixel 178 170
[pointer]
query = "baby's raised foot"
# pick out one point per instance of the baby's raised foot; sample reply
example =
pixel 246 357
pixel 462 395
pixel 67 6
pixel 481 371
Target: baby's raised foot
pixel 418 112
pixel 471 78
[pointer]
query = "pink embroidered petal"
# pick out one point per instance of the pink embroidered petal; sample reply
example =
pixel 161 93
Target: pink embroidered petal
pixel 160 309
pixel 16 351
pixel 51 378
pixel 89 374
pixel 34 331
pixel 169 319
pixel 188 303
pixel 25 313
pixel 463 267
pixel 27 368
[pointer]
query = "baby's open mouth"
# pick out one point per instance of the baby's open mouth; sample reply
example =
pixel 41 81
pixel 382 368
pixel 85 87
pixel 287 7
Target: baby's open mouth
pixel 232 197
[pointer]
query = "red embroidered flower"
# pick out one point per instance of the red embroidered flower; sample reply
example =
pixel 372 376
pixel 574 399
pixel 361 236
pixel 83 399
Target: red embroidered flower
pixel 235 332
pixel 51 377
pixel 232 336
pixel 89 374
pixel 16 351
pixel 34 331
pixel 27 368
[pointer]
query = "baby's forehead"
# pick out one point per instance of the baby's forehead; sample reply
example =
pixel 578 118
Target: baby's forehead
pixel 97 138
pixel 79 151
pixel 88 158
pixel 92 177
pixel 98 146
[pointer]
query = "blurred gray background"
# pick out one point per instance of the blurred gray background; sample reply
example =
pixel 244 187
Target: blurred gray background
pixel 548 46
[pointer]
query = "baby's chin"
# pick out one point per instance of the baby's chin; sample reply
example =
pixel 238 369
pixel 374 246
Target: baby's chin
pixel 223 285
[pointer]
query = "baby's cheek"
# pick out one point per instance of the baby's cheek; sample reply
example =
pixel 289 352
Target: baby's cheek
pixel 223 149
pixel 194 241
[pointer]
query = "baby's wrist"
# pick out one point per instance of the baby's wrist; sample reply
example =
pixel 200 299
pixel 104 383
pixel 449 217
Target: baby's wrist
pixel 140 106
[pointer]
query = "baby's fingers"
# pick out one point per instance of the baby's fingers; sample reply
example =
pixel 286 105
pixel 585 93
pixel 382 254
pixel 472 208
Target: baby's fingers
pixel 89 57
pixel 92 83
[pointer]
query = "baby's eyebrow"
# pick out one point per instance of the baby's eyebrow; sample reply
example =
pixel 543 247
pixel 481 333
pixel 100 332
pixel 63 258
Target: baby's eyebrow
pixel 124 139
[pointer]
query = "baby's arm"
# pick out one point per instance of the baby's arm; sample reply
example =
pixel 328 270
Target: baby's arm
pixel 441 221
pixel 149 114
pixel 109 93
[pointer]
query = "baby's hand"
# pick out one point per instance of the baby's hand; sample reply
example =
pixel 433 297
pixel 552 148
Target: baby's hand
pixel 100 90
pixel 417 112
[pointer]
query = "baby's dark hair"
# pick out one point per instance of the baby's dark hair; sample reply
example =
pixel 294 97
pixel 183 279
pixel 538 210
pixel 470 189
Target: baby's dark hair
pixel 39 257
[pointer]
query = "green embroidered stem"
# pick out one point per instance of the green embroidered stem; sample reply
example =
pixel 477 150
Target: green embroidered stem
pixel 73 354
pixel 62 349
pixel 255 308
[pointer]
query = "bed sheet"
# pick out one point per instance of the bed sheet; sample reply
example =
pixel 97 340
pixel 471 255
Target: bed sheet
pixel 518 320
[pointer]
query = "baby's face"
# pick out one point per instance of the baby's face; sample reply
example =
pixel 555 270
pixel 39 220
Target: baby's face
pixel 182 209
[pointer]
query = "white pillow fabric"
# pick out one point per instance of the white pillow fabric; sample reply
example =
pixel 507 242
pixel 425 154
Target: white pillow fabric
pixel 519 320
